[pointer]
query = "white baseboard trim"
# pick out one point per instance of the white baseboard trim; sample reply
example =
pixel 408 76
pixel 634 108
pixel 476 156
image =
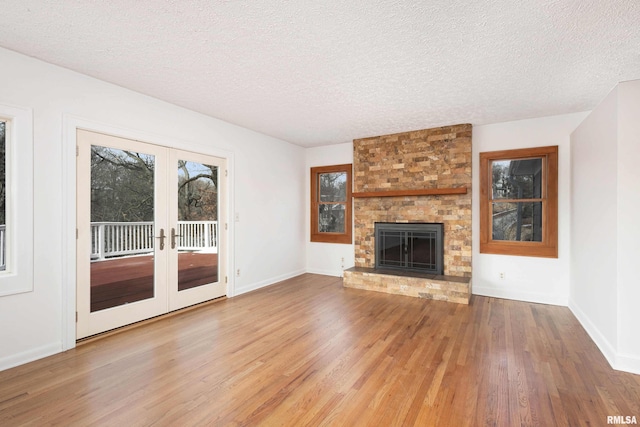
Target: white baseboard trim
pixel 30 355
pixel 519 296
pixel 627 363
pixel 601 342
pixel 335 273
pixel 618 361
pixel 267 282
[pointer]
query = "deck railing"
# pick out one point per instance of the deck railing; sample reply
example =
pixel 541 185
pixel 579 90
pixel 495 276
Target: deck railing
pixel 113 239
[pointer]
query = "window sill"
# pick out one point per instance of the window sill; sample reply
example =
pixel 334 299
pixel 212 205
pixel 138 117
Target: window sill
pixel 530 249
pixel 331 238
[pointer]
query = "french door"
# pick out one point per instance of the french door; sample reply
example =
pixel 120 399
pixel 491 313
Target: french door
pixel 151 230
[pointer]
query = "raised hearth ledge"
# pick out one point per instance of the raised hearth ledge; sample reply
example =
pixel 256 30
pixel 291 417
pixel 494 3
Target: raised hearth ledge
pixel 403 193
pixel 415 284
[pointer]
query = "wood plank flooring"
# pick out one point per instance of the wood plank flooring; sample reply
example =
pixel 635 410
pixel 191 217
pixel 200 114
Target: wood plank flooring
pixel 308 352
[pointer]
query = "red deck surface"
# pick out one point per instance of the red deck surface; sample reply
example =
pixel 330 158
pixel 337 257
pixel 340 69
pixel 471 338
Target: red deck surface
pixel 122 280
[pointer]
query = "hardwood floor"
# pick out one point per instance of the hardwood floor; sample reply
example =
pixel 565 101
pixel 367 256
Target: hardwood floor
pixel 309 352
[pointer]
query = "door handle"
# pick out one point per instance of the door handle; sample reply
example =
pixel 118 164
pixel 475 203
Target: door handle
pixel 173 237
pixel 161 237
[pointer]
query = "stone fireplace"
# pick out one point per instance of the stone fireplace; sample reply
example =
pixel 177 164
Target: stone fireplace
pixel 414 178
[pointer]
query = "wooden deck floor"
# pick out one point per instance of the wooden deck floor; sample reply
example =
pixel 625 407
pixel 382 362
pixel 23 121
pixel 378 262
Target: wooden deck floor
pixel 308 352
pixel 119 281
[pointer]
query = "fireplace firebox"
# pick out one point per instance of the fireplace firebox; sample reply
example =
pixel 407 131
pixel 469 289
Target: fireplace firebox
pixel 410 246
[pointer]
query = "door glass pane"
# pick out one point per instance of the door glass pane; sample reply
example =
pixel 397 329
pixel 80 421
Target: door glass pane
pixel 3 197
pixel 197 240
pixel 122 228
pixel 521 221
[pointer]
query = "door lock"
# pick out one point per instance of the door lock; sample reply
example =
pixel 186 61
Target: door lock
pixel 173 237
pixel 161 237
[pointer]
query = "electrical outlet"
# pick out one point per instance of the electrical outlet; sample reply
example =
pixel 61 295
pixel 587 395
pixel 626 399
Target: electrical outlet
pixel 238 272
pixel 501 275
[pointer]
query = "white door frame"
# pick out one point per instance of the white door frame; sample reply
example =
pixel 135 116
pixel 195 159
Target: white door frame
pixel 70 123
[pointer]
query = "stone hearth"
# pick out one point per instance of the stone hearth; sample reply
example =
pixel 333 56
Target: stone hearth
pixel 442 288
pixel 436 159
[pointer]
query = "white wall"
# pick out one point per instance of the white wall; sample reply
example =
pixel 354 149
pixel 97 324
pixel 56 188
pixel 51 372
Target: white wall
pixel 628 226
pixel 532 279
pixel 326 258
pixel 594 276
pixel 268 241
pixel 605 235
pixel 269 194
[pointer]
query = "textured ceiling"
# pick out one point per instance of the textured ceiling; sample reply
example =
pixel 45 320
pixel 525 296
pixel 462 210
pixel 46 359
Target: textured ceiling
pixel 316 72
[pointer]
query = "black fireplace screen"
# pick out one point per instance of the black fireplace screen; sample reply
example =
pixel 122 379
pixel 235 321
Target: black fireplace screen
pixel 413 246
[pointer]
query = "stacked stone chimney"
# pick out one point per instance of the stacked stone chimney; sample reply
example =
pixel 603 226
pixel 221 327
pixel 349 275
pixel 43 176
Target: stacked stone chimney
pixel 436 158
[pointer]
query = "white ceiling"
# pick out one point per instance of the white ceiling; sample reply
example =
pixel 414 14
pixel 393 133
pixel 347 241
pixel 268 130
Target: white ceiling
pixel 317 72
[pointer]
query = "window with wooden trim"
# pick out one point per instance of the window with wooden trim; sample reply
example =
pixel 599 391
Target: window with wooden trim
pixel 519 202
pixel 331 204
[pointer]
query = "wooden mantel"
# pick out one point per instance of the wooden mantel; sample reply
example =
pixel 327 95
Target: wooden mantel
pixel 403 193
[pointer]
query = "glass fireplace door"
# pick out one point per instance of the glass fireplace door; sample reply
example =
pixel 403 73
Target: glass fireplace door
pixel 411 246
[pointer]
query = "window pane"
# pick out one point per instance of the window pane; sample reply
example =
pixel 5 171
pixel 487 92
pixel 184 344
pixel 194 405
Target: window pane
pixel 197 243
pixel 3 198
pixel 517 179
pixel 333 187
pixel 520 221
pixel 331 218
